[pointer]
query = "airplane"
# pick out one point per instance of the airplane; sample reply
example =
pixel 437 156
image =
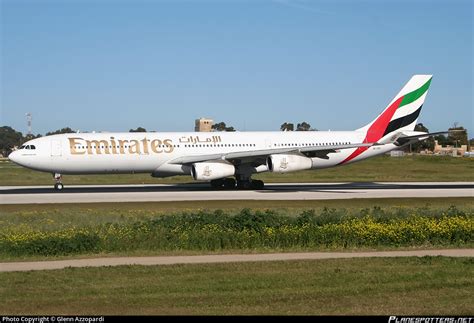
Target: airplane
pixel 228 159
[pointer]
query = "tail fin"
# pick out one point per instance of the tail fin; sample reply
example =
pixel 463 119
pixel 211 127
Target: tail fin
pixel 402 113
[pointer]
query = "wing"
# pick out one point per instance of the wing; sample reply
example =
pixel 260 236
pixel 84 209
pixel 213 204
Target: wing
pixel 258 155
pixel 406 138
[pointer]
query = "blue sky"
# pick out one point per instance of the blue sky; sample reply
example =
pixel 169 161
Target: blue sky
pixel 114 65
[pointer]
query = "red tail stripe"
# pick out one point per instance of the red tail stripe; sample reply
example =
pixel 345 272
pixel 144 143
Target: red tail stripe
pixel 377 129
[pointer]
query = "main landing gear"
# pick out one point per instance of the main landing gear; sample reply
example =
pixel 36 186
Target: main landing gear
pixel 58 186
pixel 230 183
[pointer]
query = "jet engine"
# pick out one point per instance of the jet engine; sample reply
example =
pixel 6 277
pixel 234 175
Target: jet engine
pixel 288 163
pixel 207 171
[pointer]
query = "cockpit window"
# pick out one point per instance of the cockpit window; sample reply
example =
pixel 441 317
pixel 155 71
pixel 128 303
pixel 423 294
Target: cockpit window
pixel 27 147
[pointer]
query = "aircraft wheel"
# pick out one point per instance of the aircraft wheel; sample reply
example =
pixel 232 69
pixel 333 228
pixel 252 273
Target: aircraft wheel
pixel 229 183
pixel 58 186
pixel 217 183
pixel 257 184
pixel 244 185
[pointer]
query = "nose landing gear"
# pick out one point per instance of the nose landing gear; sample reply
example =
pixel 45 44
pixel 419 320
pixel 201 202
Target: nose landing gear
pixel 58 186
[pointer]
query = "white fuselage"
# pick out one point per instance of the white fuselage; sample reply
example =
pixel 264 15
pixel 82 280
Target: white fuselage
pixel 152 152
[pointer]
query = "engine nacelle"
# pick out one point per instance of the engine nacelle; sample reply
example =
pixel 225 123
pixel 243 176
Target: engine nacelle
pixel 208 171
pixel 288 163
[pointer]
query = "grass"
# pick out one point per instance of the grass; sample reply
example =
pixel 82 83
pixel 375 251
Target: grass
pixel 288 206
pixel 151 228
pixel 378 169
pixel 375 286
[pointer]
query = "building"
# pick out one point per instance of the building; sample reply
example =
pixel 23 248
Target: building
pixel 203 125
pixel 397 153
pixel 449 150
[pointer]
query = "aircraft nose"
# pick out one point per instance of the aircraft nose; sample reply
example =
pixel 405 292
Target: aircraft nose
pixel 14 156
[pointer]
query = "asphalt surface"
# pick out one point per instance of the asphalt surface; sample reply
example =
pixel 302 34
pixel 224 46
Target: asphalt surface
pixel 202 191
pixel 207 259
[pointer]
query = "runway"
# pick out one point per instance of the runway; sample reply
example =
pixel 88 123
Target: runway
pixel 207 259
pixel 202 192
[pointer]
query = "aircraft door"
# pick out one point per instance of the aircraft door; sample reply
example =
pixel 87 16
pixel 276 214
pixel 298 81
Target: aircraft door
pixel 56 148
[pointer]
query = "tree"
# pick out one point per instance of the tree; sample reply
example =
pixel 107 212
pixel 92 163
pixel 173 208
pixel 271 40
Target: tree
pixel 57 132
pixel 9 138
pixel 139 129
pixel 221 126
pixel 31 137
pixel 425 144
pixel 304 126
pixel 287 127
pixel 442 140
pixel 457 135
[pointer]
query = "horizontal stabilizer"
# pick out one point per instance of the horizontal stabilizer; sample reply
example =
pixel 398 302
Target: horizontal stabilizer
pixel 407 138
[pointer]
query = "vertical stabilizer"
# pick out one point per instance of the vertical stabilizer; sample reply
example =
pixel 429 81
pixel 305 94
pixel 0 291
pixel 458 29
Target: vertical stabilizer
pixel 402 112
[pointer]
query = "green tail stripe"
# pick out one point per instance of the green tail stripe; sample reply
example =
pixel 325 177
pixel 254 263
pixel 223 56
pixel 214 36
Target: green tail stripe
pixel 412 96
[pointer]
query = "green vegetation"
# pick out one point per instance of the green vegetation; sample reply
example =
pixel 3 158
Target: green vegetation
pixel 378 169
pixel 48 232
pixel 383 286
pixel 405 286
pixel 101 210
